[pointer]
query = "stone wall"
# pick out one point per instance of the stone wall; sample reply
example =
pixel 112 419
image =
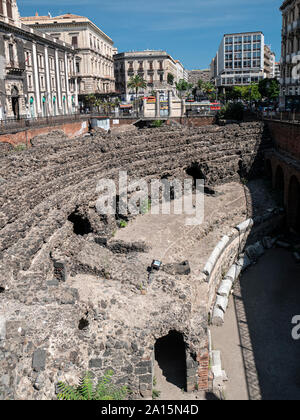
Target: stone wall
pixel 72 130
pixel 286 136
pixel 232 246
pixel 69 302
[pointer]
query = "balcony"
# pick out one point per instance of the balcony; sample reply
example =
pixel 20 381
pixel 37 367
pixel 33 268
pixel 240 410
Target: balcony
pixel 15 68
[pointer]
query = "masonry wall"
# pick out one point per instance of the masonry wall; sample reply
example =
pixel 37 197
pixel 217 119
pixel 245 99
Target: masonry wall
pixel 286 136
pixel 71 130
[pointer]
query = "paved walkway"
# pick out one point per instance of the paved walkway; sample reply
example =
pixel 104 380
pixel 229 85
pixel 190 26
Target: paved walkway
pixel 259 355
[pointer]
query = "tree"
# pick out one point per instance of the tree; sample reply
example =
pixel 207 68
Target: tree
pixel 137 82
pixel 86 391
pixel 269 89
pixel 183 86
pixel 251 93
pixel 91 100
pixel 170 79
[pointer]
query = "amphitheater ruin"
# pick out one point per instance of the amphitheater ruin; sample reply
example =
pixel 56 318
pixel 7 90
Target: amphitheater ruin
pixel 74 289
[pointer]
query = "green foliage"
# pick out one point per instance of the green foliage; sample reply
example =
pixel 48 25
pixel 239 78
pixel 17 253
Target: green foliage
pixel 146 206
pixel 155 394
pixel 87 391
pixel 137 83
pixel 123 224
pixel 232 111
pixel 269 89
pixel 20 148
pixel 183 87
pixel 170 79
pixel 157 123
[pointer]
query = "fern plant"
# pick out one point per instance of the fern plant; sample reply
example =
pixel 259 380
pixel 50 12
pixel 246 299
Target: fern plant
pixel 86 391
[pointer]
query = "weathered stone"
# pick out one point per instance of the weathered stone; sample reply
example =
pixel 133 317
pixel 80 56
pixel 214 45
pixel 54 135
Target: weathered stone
pixel 39 360
pixel 2 328
pixel 95 363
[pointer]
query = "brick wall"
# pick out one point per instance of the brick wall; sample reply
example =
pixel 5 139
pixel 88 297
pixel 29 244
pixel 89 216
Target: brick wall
pixel 286 137
pixel 72 130
pixel 194 121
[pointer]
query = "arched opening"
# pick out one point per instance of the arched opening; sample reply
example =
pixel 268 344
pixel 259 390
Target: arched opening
pixel 170 355
pixel 294 205
pixel 279 184
pixel 195 171
pixel 15 102
pixel 81 224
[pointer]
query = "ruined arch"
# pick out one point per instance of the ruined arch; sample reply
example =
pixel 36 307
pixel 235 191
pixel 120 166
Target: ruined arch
pixel 170 356
pixel 279 184
pixel 15 102
pixel 294 204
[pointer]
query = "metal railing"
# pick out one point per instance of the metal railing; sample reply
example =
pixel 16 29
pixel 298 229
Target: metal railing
pixel 7 125
pixel 291 116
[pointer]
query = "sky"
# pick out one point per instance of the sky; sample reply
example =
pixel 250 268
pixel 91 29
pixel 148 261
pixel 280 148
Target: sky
pixel 191 31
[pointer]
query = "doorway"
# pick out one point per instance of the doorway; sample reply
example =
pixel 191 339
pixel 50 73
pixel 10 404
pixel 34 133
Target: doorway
pixel 170 365
pixel 15 102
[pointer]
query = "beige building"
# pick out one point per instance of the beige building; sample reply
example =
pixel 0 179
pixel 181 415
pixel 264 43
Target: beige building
pixel 195 75
pixel 154 66
pixel 94 50
pixel 290 51
pixel 269 63
pixel 37 73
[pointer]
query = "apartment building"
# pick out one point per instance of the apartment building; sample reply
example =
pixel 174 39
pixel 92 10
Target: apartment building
pixel 195 75
pixel 94 50
pixel 36 71
pixel 239 60
pixel 269 63
pixel 182 73
pixel 153 66
pixel 290 51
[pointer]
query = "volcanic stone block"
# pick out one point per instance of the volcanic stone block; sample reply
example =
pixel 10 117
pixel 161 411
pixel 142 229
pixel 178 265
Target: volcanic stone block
pixel 39 360
pixel 182 269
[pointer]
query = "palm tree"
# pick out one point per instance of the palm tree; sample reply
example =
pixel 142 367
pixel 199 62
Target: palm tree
pixel 183 86
pixel 209 89
pixel 137 82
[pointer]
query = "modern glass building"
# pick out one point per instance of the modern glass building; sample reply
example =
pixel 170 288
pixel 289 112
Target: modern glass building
pixel 240 59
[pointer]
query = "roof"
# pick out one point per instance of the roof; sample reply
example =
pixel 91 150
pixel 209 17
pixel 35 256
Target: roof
pixel 285 4
pixel 60 17
pixel 67 18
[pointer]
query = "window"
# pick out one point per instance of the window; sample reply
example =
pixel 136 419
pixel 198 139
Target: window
pixel 42 82
pixel 247 38
pixel 29 81
pixel 9 9
pixel 1 8
pixel 75 41
pixel 11 53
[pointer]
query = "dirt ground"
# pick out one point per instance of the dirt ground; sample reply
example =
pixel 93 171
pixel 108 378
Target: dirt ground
pixel 172 241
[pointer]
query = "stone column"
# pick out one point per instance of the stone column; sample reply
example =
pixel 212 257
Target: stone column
pixel 68 98
pixel 76 83
pixel 58 85
pixel 157 105
pixel 36 80
pixel 48 81
pixel 170 103
pixel 5 11
pixel 183 107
